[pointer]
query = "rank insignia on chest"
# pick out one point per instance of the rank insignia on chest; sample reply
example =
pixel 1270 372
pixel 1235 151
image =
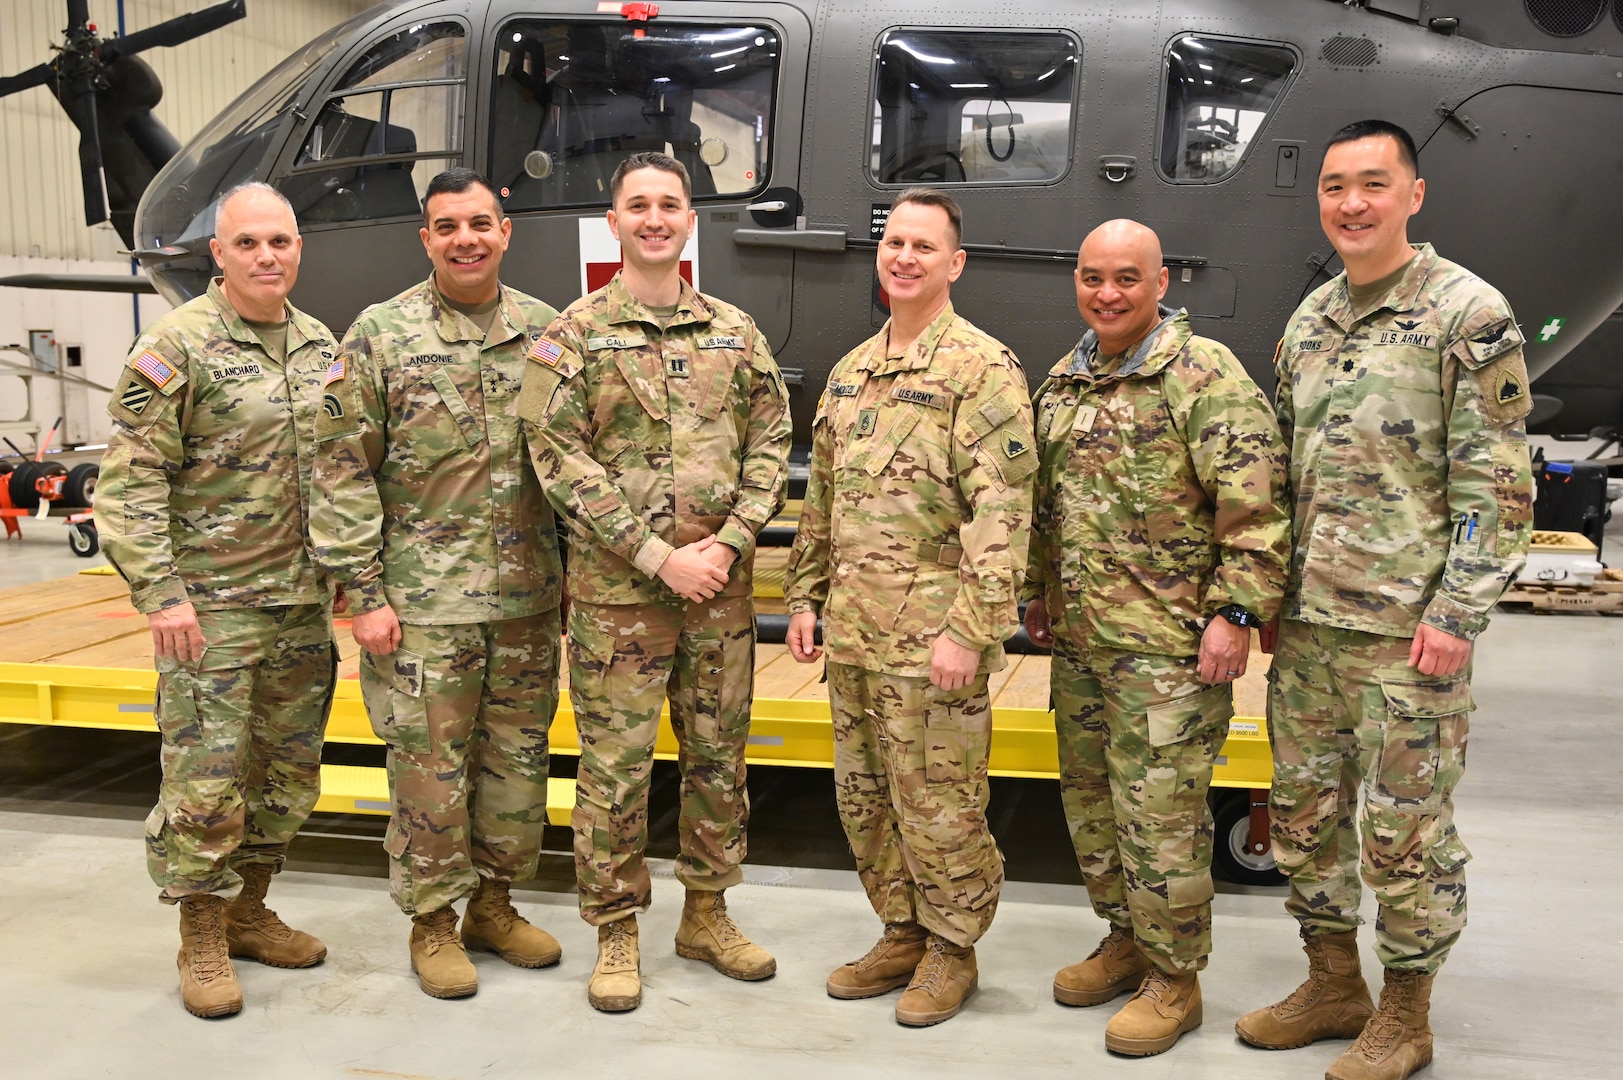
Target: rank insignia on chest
pixel 867 420
pixel 154 368
pixel 1014 445
pixel 676 366
pixel 136 397
pixel 547 352
pixel 1508 387
pixel 332 406
pixel 335 372
pixel 1085 416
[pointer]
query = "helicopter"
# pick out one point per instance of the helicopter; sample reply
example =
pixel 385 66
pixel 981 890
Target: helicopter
pixel 800 120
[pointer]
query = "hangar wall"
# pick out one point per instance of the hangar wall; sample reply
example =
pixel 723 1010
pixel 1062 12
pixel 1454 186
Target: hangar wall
pixel 42 226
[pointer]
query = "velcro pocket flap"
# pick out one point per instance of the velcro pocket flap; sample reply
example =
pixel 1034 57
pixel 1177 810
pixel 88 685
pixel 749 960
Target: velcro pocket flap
pixel 1429 700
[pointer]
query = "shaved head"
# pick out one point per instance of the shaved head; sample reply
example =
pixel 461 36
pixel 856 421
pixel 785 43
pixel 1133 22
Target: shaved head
pixel 1119 284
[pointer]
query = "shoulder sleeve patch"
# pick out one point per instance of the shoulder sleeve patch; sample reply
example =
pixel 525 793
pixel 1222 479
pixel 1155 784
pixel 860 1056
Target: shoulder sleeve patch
pixel 1491 342
pixel 991 416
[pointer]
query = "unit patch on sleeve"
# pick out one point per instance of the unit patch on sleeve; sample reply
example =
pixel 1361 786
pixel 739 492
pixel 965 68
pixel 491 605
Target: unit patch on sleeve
pixel 332 406
pixel 136 397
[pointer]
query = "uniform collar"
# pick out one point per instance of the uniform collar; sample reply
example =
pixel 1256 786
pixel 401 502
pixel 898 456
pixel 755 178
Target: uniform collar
pixel 301 328
pixel 452 325
pixel 918 356
pixel 1337 303
pixel 1151 355
pixel 691 307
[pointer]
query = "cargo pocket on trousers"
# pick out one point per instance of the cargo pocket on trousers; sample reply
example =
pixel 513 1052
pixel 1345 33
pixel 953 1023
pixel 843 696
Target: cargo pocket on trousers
pixel 707 682
pixel 1189 890
pixel 974 875
pixel 1182 719
pixel 1445 885
pixel 1419 735
pixel 594 843
pixel 392 689
pixel 175 712
pixel 957 742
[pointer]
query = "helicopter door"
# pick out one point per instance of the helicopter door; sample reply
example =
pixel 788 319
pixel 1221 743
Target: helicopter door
pixel 717 86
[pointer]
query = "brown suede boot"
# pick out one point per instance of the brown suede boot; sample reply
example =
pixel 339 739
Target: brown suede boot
pixel 1167 1005
pixel 208 984
pixel 940 985
pixel 1397 1040
pixel 616 984
pixel 437 956
pixel 889 964
pixel 255 932
pixel 1115 968
pixel 1332 1004
pixel 491 923
pixel 709 934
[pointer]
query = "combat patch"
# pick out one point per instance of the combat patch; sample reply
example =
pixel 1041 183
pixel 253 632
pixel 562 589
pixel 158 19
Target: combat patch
pixel 721 341
pixel 234 371
pixel 915 396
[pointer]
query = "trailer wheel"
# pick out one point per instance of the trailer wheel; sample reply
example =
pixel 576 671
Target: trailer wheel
pixel 83 540
pixel 80 490
pixel 1233 859
pixel 23 494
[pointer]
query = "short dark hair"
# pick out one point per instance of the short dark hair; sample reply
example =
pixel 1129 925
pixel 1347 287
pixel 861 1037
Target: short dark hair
pixel 1369 129
pixel 927 196
pixel 457 180
pixel 649 159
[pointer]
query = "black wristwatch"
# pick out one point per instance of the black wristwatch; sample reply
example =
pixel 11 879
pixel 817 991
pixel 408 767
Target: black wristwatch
pixel 1238 615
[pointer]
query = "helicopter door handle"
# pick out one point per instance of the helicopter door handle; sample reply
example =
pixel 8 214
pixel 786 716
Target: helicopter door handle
pixel 794 239
pixel 771 206
pixel 1117 167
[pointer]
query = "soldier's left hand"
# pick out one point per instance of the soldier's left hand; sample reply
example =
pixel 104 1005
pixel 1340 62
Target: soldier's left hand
pixel 952 666
pixel 1437 652
pixel 1224 650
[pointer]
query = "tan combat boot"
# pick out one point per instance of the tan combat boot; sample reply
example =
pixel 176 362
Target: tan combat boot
pixel 1332 1004
pixel 616 984
pixel 940 985
pixel 437 956
pixel 255 932
pixel 1167 1005
pixel 889 964
pixel 492 924
pixel 708 933
pixel 1397 1040
pixel 1115 968
pixel 208 985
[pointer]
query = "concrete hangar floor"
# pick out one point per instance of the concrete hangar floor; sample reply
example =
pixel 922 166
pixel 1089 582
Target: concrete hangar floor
pixel 89 988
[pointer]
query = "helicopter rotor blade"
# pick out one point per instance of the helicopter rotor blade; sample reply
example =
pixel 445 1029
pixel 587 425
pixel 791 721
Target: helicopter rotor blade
pixel 177 30
pixel 38 75
pixel 92 179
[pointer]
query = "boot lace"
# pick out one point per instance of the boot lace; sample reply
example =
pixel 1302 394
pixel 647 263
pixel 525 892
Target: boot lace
pixel 439 929
pixel 893 934
pixel 209 959
pixel 1306 995
pixel 1115 943
pixel 497 904
pixel 617 947
pixel 931 974
pixel 1383 1029
pixel 1156 985
pixel 722 925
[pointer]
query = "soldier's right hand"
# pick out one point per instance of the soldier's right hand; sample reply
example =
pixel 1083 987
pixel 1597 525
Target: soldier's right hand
pixel 691 575
pixel 378 631
pixel 1038 626
pixel 175 633
pixel 802 638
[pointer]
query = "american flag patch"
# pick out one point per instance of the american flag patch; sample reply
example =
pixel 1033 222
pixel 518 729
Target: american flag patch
pixel 153 367
pixel 335 372
pixel 548 352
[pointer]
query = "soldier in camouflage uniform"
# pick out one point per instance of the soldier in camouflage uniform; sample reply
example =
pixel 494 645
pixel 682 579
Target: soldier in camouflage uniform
pixel 659 426
pixel 202 504
pixel 427 511
pixel 912 547
pixel 1402 393
pixel 1160 537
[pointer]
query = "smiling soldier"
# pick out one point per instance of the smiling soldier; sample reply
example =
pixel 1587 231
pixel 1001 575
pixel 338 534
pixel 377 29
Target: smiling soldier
pixel 659 426
pixel 429 515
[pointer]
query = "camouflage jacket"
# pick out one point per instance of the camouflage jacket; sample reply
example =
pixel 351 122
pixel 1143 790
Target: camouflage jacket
pixel 1404 419
pixel 918 507
pixel 205 486
pixel 1161 495
pixel 650 439
pixel 424 499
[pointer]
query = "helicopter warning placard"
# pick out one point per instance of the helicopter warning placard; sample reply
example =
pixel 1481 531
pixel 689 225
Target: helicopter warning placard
pixel 600 255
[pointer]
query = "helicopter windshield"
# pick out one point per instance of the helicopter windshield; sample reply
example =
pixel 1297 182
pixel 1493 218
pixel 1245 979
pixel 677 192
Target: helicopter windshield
pixel 177 210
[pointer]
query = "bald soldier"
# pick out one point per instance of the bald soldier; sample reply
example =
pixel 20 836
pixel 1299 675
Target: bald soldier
pixel 912 548
pixel 1402 397
pixel 202 504
pixel 1160 539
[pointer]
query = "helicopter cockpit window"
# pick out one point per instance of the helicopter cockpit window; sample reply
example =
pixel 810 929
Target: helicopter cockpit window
pixel 966 107
pixel 1219 93
pixel 573 99
pixel 391 123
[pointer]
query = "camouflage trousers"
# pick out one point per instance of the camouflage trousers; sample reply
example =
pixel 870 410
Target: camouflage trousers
pixel 242 731
pixel 1138 736
pixel 1346 712
pixel 910 780
pixel 465 710
pixel 625 660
